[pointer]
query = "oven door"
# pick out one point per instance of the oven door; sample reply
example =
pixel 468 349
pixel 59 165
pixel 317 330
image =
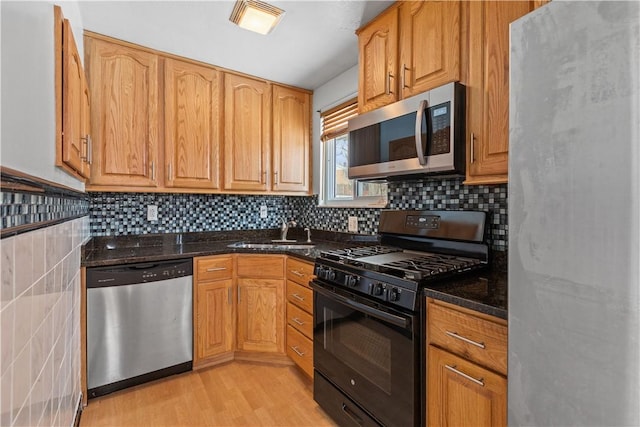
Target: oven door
pixel 369 354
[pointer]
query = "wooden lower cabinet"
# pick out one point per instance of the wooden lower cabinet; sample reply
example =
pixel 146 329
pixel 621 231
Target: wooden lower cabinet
pixel 300 314
pixel 214 313
pixel 462 393
pixel 215 319
pixel 261 315
pixel 466 367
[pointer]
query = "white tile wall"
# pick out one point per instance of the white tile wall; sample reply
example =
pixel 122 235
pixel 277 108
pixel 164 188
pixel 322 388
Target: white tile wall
pixel 40 325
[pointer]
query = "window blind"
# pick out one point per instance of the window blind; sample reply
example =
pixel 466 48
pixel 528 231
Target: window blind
pixel 334 121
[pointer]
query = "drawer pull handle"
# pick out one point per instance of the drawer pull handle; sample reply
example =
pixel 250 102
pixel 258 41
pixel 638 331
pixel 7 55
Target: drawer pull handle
pixel 297 273
pixel 467 340
pixel 212 269
pixel 298 352
pixel 298 321
pixel 453 369
pixel 298 297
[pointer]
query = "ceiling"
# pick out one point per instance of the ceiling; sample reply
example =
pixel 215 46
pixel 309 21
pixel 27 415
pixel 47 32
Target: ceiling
pixel 314 42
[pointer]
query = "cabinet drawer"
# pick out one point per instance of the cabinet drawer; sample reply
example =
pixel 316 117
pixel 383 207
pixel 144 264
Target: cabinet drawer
pixel 300 296
pixel 299 271
pixel 478 339
pixel 300 319
pixel 300 350
pixel 268 266
pixel 214 268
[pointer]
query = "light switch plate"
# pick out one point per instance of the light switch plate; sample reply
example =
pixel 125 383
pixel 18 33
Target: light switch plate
pixel 353 224
pixel 263 211
pixel 152 212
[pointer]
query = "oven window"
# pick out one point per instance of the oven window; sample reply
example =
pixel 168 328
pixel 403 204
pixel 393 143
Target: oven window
pixel 360 346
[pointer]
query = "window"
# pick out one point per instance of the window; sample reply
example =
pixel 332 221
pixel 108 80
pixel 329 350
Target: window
pixel 338 189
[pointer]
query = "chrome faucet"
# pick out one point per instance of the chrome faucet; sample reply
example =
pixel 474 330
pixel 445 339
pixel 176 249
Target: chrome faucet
pixel 285 227
pixel 308 234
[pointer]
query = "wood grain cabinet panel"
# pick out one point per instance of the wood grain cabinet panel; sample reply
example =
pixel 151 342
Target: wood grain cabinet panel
pixel 124 114
pixel 247 133
pixel 463 394
pixel 261 320
pixel 192 138
pixel 291 148
pixel 215 319
pixel 73 108
pixel 481 340
pixel 488 88
pixel 378 59
pixel 214 316
pixel 466 367
pixel 300 350
pixel 263 266
pixel 429 45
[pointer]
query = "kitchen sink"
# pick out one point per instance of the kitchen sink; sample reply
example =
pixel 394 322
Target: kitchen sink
pixel 281 246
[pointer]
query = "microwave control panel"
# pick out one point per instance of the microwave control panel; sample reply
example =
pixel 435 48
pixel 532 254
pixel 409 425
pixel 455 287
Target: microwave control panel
pixel 441 125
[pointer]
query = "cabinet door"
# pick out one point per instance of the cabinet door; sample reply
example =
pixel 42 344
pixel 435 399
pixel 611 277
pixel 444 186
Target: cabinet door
pixel 291 127
pixel 124 114
pixel 378 59
pixel 75 93
pixel 215 327
pixel 461 393
pixel 261 319
pixel 192 138
pixel 247 139
pixel 488 88
pixel 429 45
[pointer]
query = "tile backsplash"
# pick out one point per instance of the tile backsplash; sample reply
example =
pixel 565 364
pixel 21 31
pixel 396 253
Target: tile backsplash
pixel 125 213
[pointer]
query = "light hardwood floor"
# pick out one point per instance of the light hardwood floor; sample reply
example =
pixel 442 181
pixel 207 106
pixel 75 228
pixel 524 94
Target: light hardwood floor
pixel 234 394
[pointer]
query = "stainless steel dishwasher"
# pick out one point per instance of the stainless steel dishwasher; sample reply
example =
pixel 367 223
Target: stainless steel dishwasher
pixel 139 323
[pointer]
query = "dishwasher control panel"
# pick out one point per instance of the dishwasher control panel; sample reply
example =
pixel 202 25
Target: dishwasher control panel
pixel 127 274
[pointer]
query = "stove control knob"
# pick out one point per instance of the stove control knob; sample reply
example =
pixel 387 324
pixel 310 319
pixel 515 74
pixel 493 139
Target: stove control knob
pixel 320 272
pixel 377 289
pixel 330 274
pixel 351 280
pixel 393 294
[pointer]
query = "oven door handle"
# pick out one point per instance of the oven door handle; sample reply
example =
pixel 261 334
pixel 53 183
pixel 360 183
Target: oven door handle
pixel 378 314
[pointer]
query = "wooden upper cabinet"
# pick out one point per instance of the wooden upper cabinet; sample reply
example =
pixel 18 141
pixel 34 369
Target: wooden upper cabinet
pixel 75 136
pixel 124 114
pixel 429 45
pixel 192 138
pixel 291 148
pixel 488 88
pixel 72 109
pixel 247 138
pixel 378 59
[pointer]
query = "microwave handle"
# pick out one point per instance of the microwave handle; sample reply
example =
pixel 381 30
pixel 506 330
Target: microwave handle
pixel 424 104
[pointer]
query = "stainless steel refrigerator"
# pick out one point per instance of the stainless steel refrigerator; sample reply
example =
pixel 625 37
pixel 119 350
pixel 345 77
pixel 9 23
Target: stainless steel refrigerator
pixel 574 217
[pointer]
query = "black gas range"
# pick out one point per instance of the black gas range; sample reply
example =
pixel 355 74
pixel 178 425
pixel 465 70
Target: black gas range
pixel 367 312
pixel 417 248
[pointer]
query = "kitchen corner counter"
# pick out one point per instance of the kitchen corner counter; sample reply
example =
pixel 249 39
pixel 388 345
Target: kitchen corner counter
pixel 485 292
pixel 105 251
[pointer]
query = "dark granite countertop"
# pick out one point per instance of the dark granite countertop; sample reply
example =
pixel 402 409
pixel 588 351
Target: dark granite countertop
pixel 485 292
pixel 116 250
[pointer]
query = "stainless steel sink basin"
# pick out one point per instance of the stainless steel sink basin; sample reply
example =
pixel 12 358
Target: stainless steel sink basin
pixel 280 246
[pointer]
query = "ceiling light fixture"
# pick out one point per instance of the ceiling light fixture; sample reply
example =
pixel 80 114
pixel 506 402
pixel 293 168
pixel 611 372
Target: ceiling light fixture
pixel 255 15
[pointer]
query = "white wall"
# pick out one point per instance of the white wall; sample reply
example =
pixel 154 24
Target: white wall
pixel 27 139
pixel 335 91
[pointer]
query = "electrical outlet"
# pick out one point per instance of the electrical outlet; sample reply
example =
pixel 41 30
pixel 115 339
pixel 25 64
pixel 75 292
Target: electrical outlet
pixel 353 224
pixel 263 211
pixel 152 212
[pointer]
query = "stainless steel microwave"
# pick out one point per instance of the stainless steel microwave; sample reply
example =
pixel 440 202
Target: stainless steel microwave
pixel 423 134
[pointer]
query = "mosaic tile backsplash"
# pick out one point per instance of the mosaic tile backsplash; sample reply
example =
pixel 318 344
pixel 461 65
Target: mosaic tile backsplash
pixel 126 213
pixel 19 208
